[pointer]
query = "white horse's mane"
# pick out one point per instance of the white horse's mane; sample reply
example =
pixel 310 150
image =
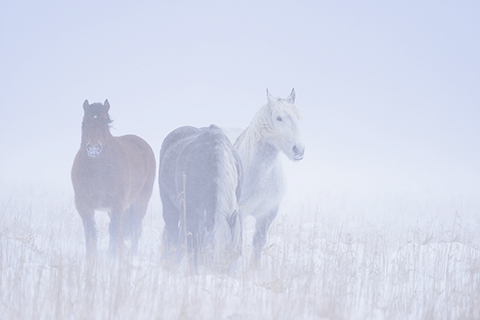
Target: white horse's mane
pixel 262 124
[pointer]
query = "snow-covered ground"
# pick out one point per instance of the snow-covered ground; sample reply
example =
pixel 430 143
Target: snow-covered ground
pixel 330 256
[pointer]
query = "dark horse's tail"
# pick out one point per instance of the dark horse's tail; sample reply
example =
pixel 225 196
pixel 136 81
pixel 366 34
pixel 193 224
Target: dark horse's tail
pixel 128 223
pixel 215 175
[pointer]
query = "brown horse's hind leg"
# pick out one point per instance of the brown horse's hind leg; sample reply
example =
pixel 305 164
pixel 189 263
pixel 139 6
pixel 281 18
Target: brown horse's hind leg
pixel 138 209
pixel 133 224
pixel 115 229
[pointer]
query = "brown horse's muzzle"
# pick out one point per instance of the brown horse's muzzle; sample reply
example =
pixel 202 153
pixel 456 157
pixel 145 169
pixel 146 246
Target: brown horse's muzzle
pixel 94 151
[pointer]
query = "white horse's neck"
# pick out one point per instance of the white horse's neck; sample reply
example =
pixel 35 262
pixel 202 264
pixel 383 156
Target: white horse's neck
pixel 265 153
pixel 263 176
pixel 259 158
pixel 252 141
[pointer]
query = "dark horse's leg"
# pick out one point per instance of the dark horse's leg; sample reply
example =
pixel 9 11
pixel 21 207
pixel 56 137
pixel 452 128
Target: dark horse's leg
pixel 260 237
pixel 171 216
pixel 194 245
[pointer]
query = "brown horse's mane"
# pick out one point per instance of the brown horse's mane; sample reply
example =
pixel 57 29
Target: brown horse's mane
pixel 109 119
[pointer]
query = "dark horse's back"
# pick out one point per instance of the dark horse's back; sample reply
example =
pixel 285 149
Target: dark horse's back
pixel 200 182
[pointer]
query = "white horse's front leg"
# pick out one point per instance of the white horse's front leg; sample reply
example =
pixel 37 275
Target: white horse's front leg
pixel 261 228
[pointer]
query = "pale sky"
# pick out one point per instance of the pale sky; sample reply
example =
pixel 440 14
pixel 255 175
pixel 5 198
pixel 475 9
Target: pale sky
pixel 389 92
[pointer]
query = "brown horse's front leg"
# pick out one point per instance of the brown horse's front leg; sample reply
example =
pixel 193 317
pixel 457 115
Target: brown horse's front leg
pixel 90 228
pixel 116 232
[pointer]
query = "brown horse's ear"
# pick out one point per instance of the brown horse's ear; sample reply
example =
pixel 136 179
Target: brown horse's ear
pixel 85 105
pixel 106 104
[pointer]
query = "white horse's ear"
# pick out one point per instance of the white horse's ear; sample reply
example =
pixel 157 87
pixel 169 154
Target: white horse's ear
pixel 270 99
pixel 107 105
pixel 85 105
pixel 291 97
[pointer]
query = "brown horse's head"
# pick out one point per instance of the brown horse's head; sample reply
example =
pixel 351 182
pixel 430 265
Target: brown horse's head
pixel 95 127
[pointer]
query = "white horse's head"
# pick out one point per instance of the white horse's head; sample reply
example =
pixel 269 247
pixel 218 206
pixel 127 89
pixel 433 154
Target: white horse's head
pixel 283 130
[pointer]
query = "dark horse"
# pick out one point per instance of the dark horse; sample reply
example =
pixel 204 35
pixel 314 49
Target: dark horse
pixel 200 179
pixel 114 174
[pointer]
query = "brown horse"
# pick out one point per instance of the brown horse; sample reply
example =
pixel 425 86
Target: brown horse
pixel 114 174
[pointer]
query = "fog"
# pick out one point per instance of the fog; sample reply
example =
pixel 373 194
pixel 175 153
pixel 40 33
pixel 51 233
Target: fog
pixel 388 92
pixel 380 218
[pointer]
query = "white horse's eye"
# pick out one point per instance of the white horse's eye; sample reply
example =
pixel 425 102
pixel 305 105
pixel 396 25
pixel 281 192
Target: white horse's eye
pixel 279 118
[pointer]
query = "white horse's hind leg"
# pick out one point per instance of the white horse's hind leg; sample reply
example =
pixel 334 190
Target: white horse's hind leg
pixel 261 228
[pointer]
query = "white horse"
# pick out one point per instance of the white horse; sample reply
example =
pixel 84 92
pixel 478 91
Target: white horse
pixel 274 129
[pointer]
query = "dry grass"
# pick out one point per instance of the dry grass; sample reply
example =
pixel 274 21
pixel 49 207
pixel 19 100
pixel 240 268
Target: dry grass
pixel 340 260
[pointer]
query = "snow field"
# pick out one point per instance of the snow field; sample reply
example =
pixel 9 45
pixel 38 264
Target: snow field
pixel 329 257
